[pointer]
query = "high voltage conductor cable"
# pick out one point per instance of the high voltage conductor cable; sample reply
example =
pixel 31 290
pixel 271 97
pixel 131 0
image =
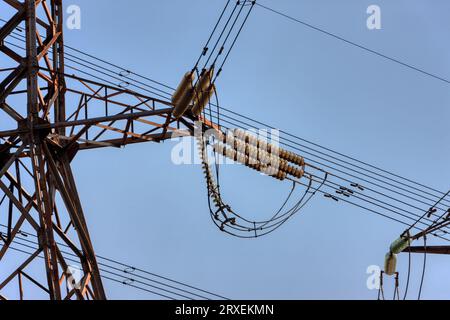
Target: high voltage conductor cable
pixel 308 25
pixel 107 63
pixel 165 278
pixel 324 182
pixel 408 277
pixel 392 211
pixel 222 48
pixel 194 97
pixel 346 162
pixel 357 195
pixel 415 215
pixel 221 34
pixel 288 142
pixel 230 31
pixel 115 76
pixel 219 71
pixel 436 204
pixel 317 145
pixel 134 276
pixel 317 162
pixel 127 279
pixel 353 43
pixel 370 201
pixel 428 213
pixel 103 276
pixel 146 78
pixel 255 229
pixel 398 208
pixel 205 48
pixel 374 211
pixel 379 201
pixel 131 271
pixel 131 276
pixel 125 283
pixel 204 87
pixel 340 154
pixel 362 207
pixel 249 159
pixel 424 267
pixel 218 40
pixel 137 287
pixel 338 170
pixel 285 144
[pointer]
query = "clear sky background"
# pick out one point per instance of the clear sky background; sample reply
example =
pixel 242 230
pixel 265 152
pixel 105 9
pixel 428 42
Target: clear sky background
pixel 145 211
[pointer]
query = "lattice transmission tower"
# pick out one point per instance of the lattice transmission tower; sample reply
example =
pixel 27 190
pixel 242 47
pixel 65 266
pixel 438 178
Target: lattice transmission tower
pixel 63 115
pixel 66 114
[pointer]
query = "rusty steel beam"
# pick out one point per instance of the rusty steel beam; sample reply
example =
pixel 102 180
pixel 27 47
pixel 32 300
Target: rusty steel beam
pixel 86 122
pixel 429 249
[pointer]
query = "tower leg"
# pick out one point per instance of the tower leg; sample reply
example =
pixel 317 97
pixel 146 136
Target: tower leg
pixel 40 211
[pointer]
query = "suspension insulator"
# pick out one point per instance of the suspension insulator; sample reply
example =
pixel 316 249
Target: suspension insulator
pixel 390 264
pixel 183 105
pixel 252 163
pixel 268 147
pixel 216 200
pixel 264 157
pixel 211 183
pixel 292 157
pixel 204 83
pixel 400 245
pixel 183 87
pixel 202 99
pixel 291 170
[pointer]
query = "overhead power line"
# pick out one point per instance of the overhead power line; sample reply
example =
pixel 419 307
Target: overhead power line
pixel 122 282
pixel 286 133
pixel 291 143
pixel 340 171
pixel 124 74
pixel 407 65
pixel 131 274
pixel 387 183
pixel 428 212
pixel 364 197
pixel 205 48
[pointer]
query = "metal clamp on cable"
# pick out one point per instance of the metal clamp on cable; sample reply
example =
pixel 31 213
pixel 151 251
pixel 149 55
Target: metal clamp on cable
pixel 431 212
pixel 356 185
pixel 327 195
pixel 232 221
pixel 347 190
pixel 448 215
pixel 129 270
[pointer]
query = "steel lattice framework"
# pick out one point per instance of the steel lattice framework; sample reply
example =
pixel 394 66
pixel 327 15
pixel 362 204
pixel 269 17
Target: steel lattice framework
pixel 63 115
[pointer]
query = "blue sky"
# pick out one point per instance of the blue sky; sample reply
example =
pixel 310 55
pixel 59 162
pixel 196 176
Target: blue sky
pixel 143 210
